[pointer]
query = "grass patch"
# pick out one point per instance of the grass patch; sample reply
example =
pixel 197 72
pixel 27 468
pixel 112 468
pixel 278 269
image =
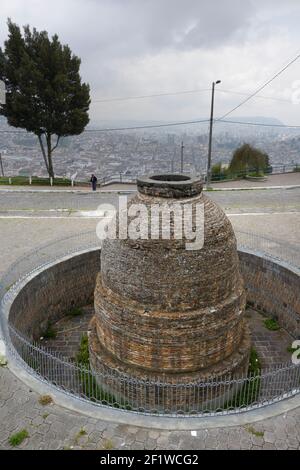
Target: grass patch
pixel 45 415
pixel 107 444
pixel 17 438
pixel 74 312
pixel 271 324
pixel 7 288
pixel 92 389
pixel 291 350
pixel 248 393
pixel 253 431
pixel 254 362
pixel 50 332
pixel 82 432
pixel 45 400
pixel 83 355
pixel 35 180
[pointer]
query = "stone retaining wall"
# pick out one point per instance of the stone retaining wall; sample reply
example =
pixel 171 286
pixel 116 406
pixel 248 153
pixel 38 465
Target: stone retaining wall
pixel 274 289
pixel 271 287
pixel 53 292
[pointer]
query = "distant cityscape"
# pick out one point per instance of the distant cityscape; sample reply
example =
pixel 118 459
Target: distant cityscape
pixel 132 152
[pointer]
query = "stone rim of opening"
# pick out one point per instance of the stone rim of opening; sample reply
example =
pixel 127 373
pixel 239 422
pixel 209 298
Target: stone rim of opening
pixel 170 185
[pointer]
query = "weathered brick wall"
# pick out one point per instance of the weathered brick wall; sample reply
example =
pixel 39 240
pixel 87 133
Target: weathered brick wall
pixel 274 289
pixel 270 287
pixel 165 310
pixel 49 295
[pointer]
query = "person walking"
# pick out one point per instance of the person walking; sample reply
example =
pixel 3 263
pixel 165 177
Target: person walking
pixel 94 180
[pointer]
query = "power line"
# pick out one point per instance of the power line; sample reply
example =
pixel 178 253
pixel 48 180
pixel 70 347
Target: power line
pixel 272 98
pixel 184 92
pixel 225 121
pixel 147 126
pixel 150 126
pixel 140 97
pixel 261 87
pixel 170 124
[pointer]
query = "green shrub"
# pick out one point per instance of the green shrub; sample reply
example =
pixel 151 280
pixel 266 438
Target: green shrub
pixel 271 324
pixel 50 332
pixel 74 312
pixel 291 350
pixel 17 438
pixel 219 173
pixel 88 381
pixel 83 356
pixel 254 362
pixel 249 392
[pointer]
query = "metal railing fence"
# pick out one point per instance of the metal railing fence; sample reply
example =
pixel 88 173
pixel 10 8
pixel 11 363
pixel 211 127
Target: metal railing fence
pixel 129 177
pixel 51 251
pixel 223 395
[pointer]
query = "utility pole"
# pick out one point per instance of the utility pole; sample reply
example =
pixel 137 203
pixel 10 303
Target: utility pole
pixel 181 160
pixel 1 164
pixel 173 159
pixel 208 173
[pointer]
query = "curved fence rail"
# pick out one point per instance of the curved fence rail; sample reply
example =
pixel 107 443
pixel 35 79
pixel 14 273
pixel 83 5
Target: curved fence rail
pixel 276 249
pixel 55 250
pixel 45 254
pixel 222 396
pixel 225 395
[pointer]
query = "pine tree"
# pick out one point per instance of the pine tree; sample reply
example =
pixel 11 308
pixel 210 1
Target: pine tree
pixel 44 92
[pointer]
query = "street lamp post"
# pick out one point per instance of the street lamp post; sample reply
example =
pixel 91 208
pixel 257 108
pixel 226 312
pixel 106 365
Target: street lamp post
pixel 181 158
pixel 1 164
pixel 208 173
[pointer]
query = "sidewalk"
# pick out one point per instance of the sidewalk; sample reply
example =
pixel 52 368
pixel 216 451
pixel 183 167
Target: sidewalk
pixel 284 181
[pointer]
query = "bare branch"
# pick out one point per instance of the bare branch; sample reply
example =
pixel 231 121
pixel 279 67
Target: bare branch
pixel 57 141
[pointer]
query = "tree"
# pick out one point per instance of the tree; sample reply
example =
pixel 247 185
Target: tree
pixel 44 92
pixel 248 159
pixel 218 172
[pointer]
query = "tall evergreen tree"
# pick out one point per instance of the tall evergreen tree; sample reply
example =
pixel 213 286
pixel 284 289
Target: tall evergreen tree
pixel 44 92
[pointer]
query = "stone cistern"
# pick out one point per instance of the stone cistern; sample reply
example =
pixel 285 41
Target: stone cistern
pixel 167 313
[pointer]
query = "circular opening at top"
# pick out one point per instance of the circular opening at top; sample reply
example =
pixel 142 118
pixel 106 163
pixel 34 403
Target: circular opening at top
pixel 169 185
pixel 170 178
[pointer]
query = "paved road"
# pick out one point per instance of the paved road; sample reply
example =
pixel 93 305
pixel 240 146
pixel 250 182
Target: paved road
pixel 267 200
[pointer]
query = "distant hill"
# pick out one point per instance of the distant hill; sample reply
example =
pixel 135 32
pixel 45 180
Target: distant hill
pixel 260 119
pixel 133 123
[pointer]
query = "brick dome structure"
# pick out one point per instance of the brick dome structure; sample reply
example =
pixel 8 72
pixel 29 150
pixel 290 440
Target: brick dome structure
pixel 165 312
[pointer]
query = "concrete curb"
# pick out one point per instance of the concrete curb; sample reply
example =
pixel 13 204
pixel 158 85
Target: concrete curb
pixel 128 191
pixel 147 421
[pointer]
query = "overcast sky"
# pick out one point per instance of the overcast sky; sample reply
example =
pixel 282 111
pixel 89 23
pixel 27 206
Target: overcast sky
pixel 140 47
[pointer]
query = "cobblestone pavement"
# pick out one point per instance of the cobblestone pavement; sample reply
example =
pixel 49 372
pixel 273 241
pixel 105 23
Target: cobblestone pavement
pixel 68 333
pixel 272 346
pixel 54 427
